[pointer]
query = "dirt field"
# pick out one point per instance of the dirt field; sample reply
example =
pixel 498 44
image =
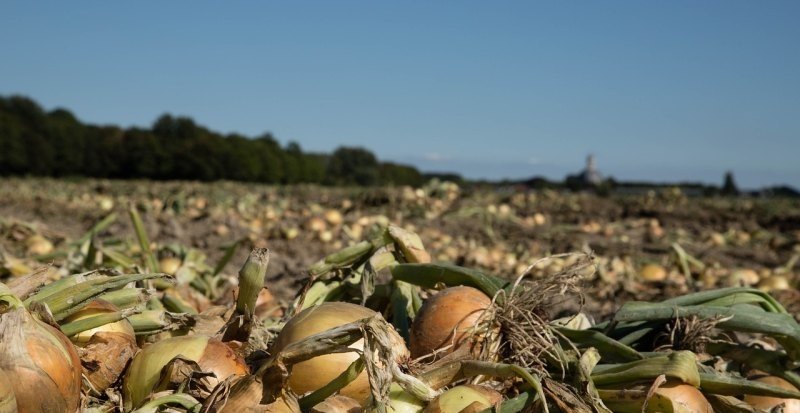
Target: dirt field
pixel 700 243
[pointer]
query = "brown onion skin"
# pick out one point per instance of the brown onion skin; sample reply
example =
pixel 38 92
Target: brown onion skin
pixel 8 402
pixel 768 403
pixel 42 361
pixel 455 309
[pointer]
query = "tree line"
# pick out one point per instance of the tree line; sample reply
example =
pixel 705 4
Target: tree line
pixel 40 143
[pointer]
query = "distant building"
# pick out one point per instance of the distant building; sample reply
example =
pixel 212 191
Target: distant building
pixel 590 176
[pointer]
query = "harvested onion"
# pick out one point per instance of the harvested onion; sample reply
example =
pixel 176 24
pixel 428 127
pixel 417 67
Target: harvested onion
pixel 445 319
pixel 687 396
pixel 765 403
pixel 211 355
pixel 464 399
pixel 106 350
pixel 42 366
pixel 312 374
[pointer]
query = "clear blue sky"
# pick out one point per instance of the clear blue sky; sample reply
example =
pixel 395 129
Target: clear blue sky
pixel 668 90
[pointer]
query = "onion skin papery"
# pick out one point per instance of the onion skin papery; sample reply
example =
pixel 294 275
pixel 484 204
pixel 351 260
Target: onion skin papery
pixel 41 364
pixel 452 310
pixel 468 398
pixel 210 354
pixel 768 403
pixel 8 402
pixel 312 374
pixel 337 404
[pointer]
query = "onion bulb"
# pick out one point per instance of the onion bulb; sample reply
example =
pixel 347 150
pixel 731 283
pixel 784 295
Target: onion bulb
pixel 401 401
pixel 765 403
pixel 467 398
pixel 105 350
pixel 653 273
pixel 312 374
pixel 211 355
pixel 170 265
pixel 41 364
pixel 445 319
pixel 38 245
pixel 687 396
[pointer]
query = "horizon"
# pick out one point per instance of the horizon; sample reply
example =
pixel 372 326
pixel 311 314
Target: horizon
pixel 665 93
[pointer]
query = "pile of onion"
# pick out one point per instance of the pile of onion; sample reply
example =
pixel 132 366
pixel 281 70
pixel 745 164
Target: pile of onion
pixel 211 355
pixel 312 374
pixel 445 320
pixel 105 350
pixel 40 363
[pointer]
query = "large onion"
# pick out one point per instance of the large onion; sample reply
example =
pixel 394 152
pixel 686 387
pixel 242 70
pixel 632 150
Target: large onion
pixel 765 403
pixel 464 399
pixel 312 374
pixel 445 319
pixel 40 363
pixel 211 355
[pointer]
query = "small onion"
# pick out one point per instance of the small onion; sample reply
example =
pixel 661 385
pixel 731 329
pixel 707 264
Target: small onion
pixel 170 265
pixel 40 362
pixel 445 319
pixel 211 355
pixel 38 245
pixel 467 398
pixel 765 403
pixel 105 350
pixel 312 374
pixel 653 273
pixel 687 396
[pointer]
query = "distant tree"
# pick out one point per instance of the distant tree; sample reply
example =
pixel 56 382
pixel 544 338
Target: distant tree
pixel 729 185
pixel 352 166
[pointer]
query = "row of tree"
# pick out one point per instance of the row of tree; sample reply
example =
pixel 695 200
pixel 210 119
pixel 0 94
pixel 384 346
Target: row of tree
pixel 40 143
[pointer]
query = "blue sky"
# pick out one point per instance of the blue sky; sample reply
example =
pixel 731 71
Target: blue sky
pixel 671 90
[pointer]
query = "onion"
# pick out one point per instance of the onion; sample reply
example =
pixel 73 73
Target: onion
pixel 170 265
pixel 765 403
pixel 653 273
pixel 105 350
pixel 8 402
pixel 38 245
pixel 211 355
pixel 687 396
pixel 467 398
pixel 312 374
pixel 445 319
pixel 401 401
pixel 42 366
pixel 337 404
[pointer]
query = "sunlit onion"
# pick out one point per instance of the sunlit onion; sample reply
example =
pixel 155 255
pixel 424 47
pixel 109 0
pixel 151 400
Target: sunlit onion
pixel 765 403
pixel 211 355
pixel 464 399
pixel 312 374
pixel 445 319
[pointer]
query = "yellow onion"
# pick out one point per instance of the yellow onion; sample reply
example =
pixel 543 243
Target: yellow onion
pixel 687 396
pixel 445 319
pixel 8 402
pixel 38 245
pixel 312 374
pixel 653 273
pixel 774 283
pixel 337 404
pixel 105 350
pixel 211 355
pixel 765 403
pixel 41 364
pixel 170 265
pixel 467 398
